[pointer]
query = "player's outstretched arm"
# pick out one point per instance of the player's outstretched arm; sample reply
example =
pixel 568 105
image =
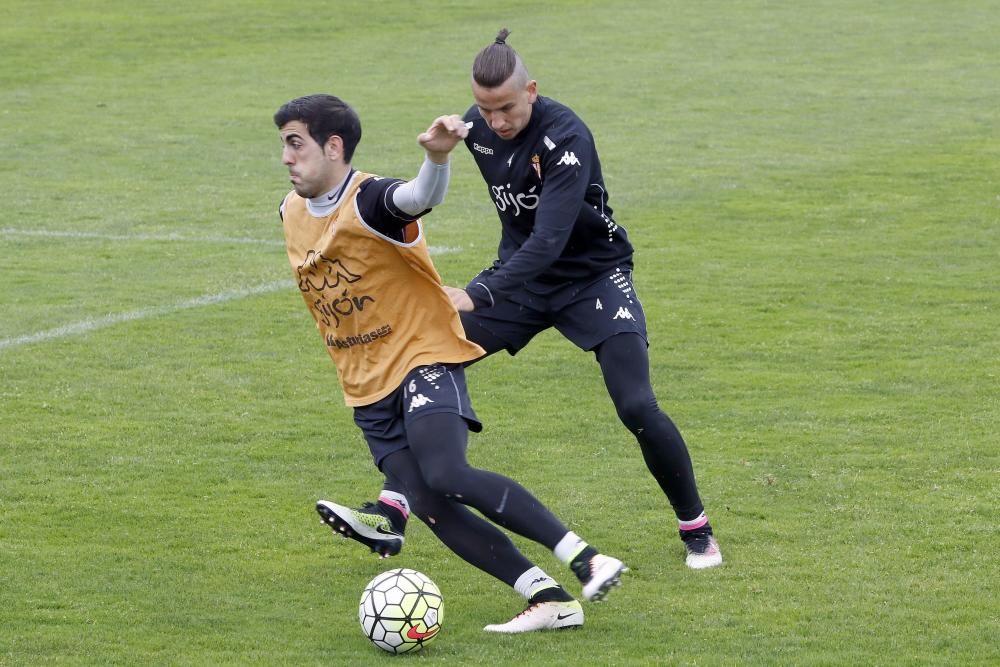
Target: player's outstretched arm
pixel 442 136
pixel 428 188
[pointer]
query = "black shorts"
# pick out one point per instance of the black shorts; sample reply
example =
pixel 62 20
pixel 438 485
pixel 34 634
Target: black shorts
pixel 425 390
pixel 585 313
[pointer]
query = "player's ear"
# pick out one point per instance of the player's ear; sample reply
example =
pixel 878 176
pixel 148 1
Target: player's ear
pixel 334 148
pixel 532 91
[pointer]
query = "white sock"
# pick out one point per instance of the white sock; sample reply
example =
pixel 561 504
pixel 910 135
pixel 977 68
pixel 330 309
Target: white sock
pixel 694 523
pixel 397 500
pixel 532 581
pixel 569 547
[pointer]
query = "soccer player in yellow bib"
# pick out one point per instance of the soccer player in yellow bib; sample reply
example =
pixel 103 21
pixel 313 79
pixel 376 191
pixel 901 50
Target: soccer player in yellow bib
pixel 357 249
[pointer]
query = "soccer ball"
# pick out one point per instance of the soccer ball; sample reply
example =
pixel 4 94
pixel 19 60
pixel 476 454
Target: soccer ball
pixel 401 610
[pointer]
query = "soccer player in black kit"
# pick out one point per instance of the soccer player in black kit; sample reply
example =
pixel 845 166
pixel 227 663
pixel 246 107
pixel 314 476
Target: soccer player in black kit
pixel 562 262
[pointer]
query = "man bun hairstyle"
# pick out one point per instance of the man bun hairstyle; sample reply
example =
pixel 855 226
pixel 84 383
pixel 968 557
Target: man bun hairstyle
pixel 498 62
pixel 325 116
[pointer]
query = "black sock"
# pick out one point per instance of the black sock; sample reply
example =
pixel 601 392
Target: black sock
pixel 394 515
pixel 581 564
pixel 552 594
pixel 700 531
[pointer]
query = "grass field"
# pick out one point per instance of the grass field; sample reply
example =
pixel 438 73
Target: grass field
pixel 814 193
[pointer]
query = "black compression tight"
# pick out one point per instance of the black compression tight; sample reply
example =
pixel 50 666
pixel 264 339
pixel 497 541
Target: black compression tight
pixel 438 482
pixel 438 442
pixel 624 361
pixel 476 541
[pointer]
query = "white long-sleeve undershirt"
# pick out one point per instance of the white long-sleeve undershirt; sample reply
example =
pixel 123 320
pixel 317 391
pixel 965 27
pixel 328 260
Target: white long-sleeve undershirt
pixel 426 190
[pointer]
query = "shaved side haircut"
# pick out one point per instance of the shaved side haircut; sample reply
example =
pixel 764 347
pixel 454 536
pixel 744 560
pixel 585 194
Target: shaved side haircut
pixel 498 62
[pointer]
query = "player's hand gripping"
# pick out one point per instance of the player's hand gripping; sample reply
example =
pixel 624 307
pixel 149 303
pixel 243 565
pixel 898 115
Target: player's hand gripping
pixel 442 136
pixel 460 299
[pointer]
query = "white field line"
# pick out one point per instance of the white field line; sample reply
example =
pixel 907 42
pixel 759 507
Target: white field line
pixel 8 231
pixel 58 234
pixel 86 326
pixel 92 324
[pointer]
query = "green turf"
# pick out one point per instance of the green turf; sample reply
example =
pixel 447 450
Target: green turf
pixel 813 193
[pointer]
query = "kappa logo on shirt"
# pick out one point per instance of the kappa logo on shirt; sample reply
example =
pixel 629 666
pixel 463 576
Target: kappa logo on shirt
pixel 623 314
pixel 568 158
pixel 418 401
pixel 318 273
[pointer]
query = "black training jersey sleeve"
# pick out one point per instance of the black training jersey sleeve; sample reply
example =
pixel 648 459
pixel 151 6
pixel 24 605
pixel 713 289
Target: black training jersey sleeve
pixel 378 211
